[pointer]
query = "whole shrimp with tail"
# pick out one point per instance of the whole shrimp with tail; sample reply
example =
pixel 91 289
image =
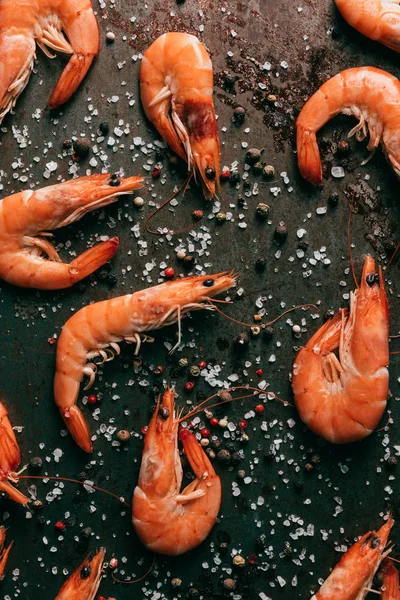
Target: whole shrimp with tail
pixel 10 458
pixel 176 86
pixel 95 331
pixel 376 19
pixel 343 398
pixel 352 577
pixel 85 581
pixel 372 96
pixel 27 258
pixel 166 519
pixel 25 23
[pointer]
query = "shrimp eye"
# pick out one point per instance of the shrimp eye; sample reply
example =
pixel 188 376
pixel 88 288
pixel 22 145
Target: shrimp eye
pixel 164 412
pixel 114 180
pixel 208 282
pixel 85 572
pixel 375 542
pixel 372 278
pixel 210 173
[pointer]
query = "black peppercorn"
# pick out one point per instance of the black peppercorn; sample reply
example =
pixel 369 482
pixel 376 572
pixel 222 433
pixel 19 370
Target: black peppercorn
pixel 235 177
pixel 268 332
pixel 328 314
pixel 261 263
pixel 104 128
pixel 253 156
pixel 224 456
pixel 82 147
pixel 229 82
pixel 333 199
pixel 280 233
pixel 86 533
pixel 242 340
pixel 239 115
pixel 36 462
pixel 343 148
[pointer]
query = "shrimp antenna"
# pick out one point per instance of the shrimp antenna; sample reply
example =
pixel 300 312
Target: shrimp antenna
pixel 392 257
pixel 149 570
pixel 84 483
pixel 200 407
pixel 349 246
pixel 218 310
pixel 167 201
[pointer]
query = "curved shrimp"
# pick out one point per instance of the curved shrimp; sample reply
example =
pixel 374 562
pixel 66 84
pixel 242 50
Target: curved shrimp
pixel 342 399
pixel 10 458
pixel 25 217
pixel 371 95
pixel 25 23
pixel 85 581
pixel 352 577
pixel 4 552
pixel 167 520
pixel 96 330
pixel 376 19
pixel 176 86
pixel 390 581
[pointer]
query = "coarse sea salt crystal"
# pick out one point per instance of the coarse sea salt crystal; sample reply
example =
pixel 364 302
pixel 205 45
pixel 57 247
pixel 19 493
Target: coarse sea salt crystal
pixel 337 172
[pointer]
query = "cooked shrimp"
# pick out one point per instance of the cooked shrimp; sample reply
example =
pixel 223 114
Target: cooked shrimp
pixel 25 23
pixel 95 331
pixel 377 19
pixel 371 95
pixel 176 86
pixel 342 399
pixel 84 583
pixel 25 217
pixel 10 458
pixel 167 520
pixel 4 552
pixel 390 581
pixel 352 577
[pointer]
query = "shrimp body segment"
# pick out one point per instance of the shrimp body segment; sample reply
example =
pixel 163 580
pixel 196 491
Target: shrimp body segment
pixel 10 458
pixel 342 399
pixel 371 95
pixel 377 19
pixel 27 258
pixel 85 581
pixel 4 552
pixel 390 581
pixel 352 577
pixel 176 86
pixel 25 23
pixel 167 520
pixel 95 331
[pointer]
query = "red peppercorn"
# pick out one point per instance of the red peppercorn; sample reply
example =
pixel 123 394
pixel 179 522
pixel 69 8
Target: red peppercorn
pixel 214 421
pixel 189 385
pixel 225 173
pixel 260 409
pixel 52 340
pixel 157 171
pixel 242 424
pixel 202 364
pixel 259 372
pixel 92 399
pixel 60 525
pixel 144 429
pixel 158 370
pixel 169 272
pixel 205 433
pixel 252 559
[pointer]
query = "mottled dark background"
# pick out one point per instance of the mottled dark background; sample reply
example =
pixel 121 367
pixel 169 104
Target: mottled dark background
pixel 352 482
